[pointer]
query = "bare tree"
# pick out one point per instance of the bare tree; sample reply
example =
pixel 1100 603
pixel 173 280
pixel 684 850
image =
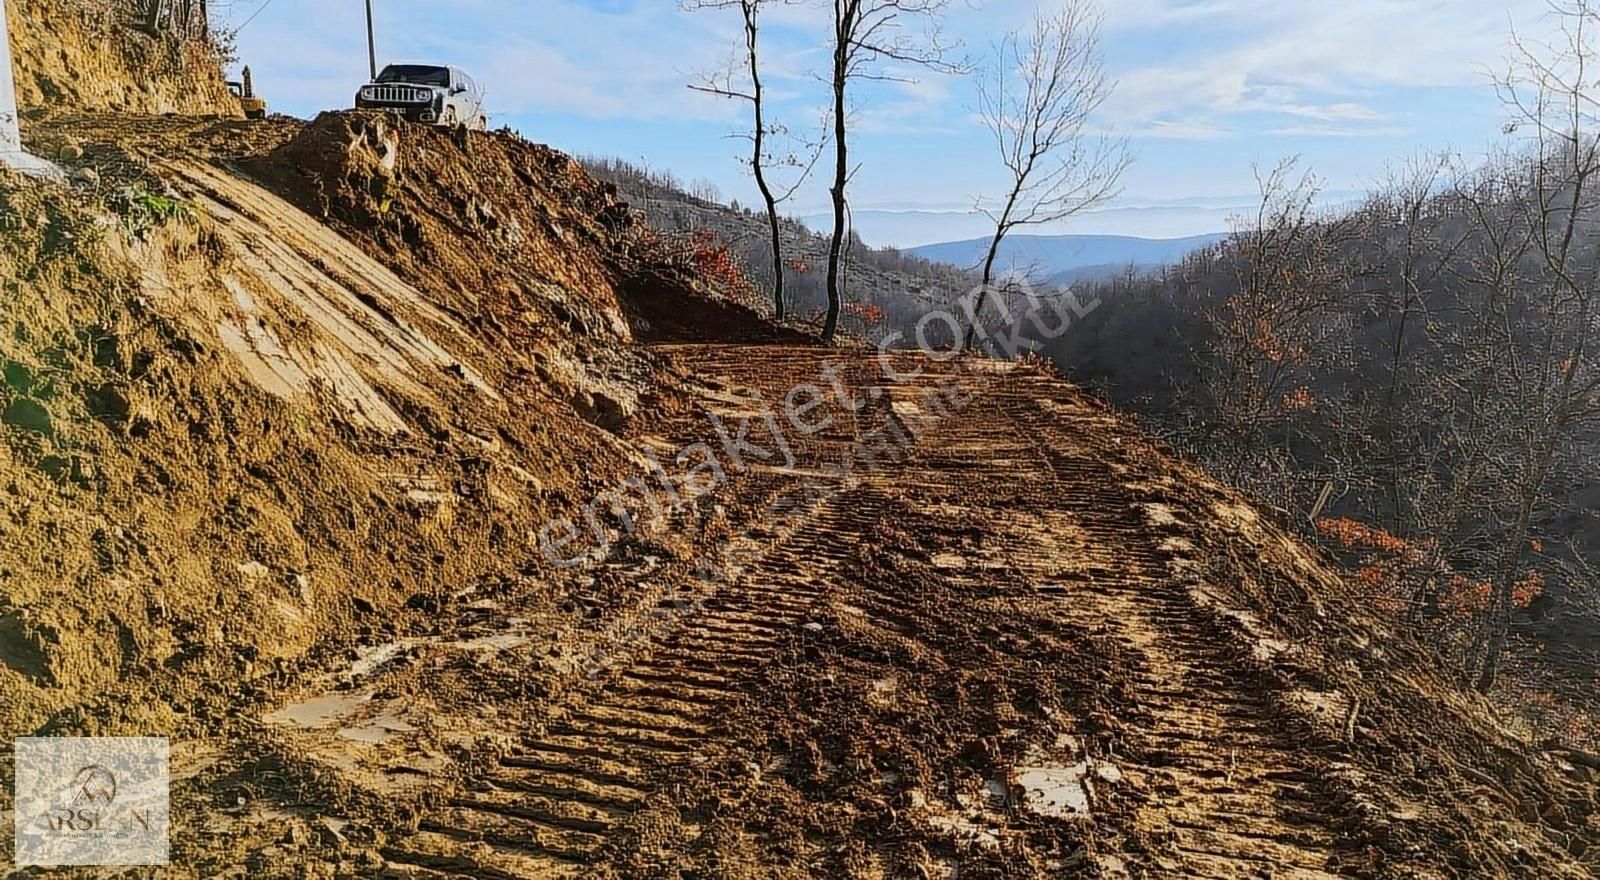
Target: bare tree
pixel 1262 345
pixel 1036 101
pixel 1549 91
pixel 1375 437
pixel 728 85
pixel 186 18
pixel 865 33
pixel 1425 368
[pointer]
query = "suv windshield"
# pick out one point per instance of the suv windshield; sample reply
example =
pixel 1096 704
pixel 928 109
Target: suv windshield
pixel 419 74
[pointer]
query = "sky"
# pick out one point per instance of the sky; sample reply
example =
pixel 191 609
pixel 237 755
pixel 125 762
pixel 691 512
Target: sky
pixel 1205 90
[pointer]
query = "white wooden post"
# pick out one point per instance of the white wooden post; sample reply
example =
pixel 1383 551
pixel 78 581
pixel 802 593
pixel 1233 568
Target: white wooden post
pixel 11 152
pixel 10 140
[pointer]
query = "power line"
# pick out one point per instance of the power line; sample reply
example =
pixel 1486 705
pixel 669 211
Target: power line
pixel 260 9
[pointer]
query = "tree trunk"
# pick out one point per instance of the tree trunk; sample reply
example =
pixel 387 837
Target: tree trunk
pixel 1499 622
pixel 750 10
pixel 1542 460
pixel 841 172
pixel 983 292
pixel 1002 227
pixel 150 17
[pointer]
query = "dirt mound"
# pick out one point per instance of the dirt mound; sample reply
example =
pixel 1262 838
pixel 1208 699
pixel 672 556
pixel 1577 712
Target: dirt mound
pixel 662 308
pixel 88 55
pixel 155 540
pixel 518 235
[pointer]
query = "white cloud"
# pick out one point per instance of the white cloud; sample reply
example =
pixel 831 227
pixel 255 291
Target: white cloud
pixel 1145 14
pixel 1187 131
pixel 914 102
pixel 1329 112
pixel 1272 59
pixel 1339 131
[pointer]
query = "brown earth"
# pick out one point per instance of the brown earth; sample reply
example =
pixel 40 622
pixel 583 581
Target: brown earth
pixel 85 55
pixel 233 434
pixel 1028 645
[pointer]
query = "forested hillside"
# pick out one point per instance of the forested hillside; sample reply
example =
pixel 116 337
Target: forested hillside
pixel 1416 380
pixel 885 287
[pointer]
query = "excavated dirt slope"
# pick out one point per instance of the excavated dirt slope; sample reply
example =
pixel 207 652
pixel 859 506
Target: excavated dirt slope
pixel 232 434
pixel 87 55
pixel 285 405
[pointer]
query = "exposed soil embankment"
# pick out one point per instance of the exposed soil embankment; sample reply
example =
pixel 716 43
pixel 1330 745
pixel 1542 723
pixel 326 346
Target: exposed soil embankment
pixel 516 236
pixel 233 433
pixel 88 55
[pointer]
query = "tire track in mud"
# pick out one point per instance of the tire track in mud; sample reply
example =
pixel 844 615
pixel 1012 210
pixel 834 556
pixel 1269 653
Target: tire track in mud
pixel 1228 794
pixel 548 809
pixel 1224 792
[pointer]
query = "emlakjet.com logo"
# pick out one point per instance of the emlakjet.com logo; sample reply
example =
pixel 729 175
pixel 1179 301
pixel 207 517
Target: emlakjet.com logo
pixel 91 801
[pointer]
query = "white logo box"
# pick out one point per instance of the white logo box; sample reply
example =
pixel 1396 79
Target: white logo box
pixel 92 801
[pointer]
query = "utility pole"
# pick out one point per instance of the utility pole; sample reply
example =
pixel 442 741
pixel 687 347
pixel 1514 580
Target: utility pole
pixel 372 49
pixel 11 152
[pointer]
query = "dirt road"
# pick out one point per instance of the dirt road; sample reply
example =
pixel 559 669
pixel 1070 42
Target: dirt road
pixel 792 710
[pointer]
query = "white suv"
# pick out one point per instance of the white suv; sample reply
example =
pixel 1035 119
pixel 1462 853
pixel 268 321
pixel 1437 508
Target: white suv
pixel 427 93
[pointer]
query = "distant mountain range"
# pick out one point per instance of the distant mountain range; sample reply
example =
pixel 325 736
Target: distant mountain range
pixel 908 225
pixel 1067 258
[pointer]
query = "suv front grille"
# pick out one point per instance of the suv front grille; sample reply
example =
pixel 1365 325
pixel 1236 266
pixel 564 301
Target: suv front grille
pixel 395 94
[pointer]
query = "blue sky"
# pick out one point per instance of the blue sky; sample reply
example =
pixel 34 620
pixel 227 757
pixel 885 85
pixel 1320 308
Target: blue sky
pixel 1204 89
